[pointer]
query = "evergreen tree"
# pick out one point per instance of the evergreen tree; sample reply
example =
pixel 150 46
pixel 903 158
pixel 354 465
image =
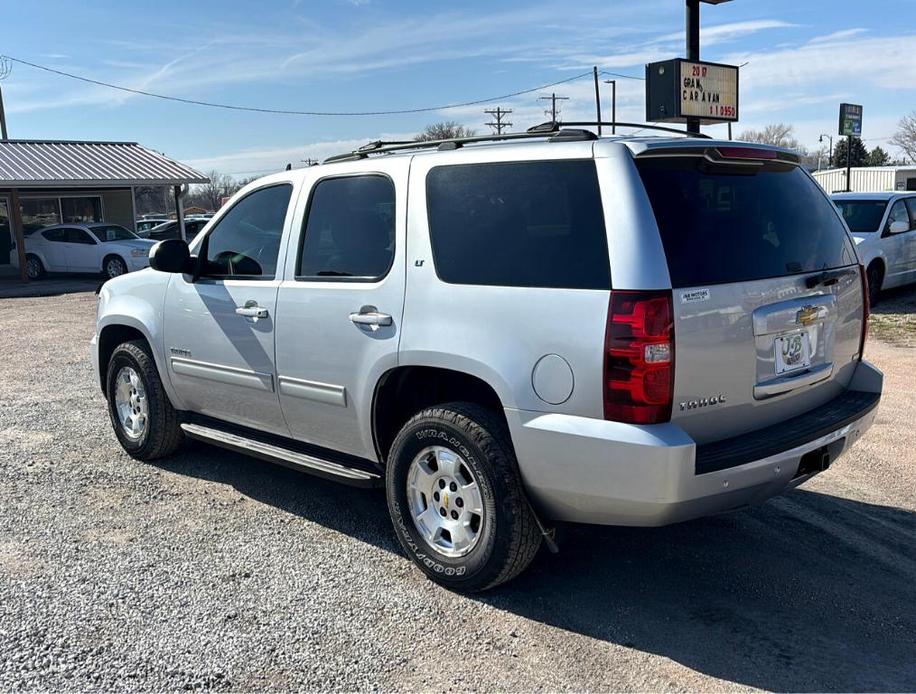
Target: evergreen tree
pixel 859 154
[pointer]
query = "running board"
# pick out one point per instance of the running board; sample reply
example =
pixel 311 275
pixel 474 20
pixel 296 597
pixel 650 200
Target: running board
pixel 283 456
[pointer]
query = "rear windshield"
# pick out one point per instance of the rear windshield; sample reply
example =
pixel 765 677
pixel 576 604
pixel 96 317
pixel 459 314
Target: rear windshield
pixel 722 223
pixel 862 215
pixel 519 224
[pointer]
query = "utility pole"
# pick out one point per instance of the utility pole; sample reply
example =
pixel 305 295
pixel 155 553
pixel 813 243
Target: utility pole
pixel 613 84
pixel 3 136
pixel 498 114
pixel 553 104
pixel 693 48
pixel 597 98
pixel 308 161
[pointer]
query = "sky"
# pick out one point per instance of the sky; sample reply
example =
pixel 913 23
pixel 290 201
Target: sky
pixel 803 57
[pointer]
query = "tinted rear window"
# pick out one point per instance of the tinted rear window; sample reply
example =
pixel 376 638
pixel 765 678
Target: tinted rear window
pixel 862 215
pixel 723 224
pixel 519 224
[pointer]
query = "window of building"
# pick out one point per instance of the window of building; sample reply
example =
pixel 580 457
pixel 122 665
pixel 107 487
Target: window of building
pixel 82 210
pixel 38 213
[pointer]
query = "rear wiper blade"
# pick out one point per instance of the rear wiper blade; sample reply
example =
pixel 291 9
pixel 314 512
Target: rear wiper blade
pixel 826 278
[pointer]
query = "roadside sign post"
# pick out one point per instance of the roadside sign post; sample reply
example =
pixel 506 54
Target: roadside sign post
pixel 850 126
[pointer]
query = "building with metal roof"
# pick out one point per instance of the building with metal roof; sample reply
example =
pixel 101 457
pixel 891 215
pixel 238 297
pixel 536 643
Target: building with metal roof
pixel 44 182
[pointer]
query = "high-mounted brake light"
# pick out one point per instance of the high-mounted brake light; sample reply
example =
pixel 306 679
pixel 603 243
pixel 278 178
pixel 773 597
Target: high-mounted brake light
pixel 746 153
pixel 866 311
pixel 639 357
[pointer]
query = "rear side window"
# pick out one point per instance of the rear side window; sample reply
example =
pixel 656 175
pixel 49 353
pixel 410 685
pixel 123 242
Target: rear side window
pixel 349 232
pixel 518 224
pixel 721 223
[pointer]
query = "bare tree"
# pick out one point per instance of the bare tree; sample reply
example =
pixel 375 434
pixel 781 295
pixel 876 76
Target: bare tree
pixel 905 137
pixel 778 134
pixel 445 130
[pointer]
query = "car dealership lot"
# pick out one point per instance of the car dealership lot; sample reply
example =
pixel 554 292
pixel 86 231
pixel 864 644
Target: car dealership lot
pixel 212 570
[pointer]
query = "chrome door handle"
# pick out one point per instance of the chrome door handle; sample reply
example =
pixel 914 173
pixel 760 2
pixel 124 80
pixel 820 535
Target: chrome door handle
pixel 369 315
pixel 252 310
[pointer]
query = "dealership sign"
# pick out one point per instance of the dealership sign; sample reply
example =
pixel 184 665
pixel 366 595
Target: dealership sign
pixel 679 89
pixel 851 120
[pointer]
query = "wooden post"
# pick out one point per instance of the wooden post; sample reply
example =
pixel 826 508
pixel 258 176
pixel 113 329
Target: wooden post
pixel 18 232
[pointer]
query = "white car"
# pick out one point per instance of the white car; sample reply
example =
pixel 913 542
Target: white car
pixel 884 228
pixel 106 248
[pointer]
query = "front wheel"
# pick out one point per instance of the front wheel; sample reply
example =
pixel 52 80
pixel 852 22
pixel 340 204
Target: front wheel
pixel 456 498
pixel 141 414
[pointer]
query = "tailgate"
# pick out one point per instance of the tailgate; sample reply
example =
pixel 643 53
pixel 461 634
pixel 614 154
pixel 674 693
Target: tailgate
pixel 768 298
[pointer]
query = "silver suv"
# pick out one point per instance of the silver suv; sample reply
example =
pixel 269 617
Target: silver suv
pixel 628 331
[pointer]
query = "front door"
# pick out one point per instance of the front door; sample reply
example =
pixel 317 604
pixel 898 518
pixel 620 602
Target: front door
pixel 219 329
pixel 339 310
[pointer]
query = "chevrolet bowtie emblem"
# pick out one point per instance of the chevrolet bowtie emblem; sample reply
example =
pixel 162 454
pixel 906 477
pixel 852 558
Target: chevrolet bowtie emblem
pixel 445 499
pixel 807 315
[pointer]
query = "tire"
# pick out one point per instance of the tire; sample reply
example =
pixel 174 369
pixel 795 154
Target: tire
pixel 507 536
pixel 875 276
pixel 114 266
pixel 160 435
pixel 34 268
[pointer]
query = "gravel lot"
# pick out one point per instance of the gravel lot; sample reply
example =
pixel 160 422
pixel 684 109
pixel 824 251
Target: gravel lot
pixel 214 571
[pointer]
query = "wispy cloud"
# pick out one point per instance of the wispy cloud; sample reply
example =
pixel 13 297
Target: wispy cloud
pixel 838 35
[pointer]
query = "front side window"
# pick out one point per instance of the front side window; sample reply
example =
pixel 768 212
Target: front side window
pixel 519 224
pixel 911 206
pixel 349 232
pixel 246 241
pixel 899 214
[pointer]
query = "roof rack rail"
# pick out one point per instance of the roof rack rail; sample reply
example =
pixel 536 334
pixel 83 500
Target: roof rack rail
pixel 553 130
pixel 551 126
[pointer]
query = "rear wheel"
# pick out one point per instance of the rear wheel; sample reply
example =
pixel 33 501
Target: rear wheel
pixel 456 498
pixel 143 419
pixel 34 268
pixel 114 267
pixel 875 277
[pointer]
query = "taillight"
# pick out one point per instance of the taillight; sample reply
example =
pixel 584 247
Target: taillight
pixel 747 153
pixel 866 311
pixel 639 357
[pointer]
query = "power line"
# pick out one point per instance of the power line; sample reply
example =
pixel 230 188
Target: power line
pixel 291 112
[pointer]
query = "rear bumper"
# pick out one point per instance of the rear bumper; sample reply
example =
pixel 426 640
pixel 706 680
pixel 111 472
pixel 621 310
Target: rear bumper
pixel 592 471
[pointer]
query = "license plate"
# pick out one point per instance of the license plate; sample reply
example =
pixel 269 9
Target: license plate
pixel 793 352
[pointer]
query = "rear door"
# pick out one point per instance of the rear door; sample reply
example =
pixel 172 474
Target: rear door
pixel 767 292
pixel 53 247
pixel 909 244
pixel 895 244
pixel 339 312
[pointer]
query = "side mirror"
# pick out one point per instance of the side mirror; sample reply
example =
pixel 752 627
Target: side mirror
pixel 899 227
pixel 171 255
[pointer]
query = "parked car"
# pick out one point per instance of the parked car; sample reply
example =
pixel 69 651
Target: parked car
pixel 618 331
pixel 144 226
pixel 884 228
pixel 106 248
pixel 169 230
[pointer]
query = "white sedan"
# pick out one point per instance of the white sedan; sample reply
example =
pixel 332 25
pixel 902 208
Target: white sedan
pixel 106 248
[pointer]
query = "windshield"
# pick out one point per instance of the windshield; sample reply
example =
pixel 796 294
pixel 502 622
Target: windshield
pixel 862 216
pixel 722 224
pixel 112 232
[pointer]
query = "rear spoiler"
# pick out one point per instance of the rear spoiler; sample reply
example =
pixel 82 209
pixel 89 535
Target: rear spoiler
pixel 725 154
